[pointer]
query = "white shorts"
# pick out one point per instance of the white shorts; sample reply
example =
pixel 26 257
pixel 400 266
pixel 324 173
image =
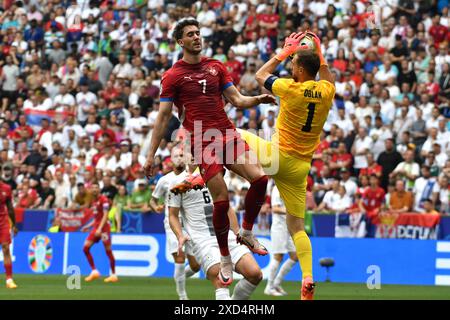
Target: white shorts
pixel 207 252
pixel 172 243
pixel 281 239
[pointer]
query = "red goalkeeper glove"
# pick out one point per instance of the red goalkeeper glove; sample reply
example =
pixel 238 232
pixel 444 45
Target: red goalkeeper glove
pixel 291 45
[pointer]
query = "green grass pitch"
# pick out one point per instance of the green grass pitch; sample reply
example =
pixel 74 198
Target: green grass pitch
pixel 54 287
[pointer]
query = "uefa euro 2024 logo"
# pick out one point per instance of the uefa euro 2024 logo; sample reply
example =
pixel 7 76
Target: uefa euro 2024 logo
pixel 40 253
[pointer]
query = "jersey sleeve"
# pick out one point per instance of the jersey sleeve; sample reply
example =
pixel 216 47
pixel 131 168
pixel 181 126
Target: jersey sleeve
pixel 159 191
pixel 168 88
pixel 225 77
pixel 174 200
pixel 280 86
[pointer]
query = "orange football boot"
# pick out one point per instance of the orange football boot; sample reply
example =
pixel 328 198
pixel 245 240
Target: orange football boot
pixel 307 289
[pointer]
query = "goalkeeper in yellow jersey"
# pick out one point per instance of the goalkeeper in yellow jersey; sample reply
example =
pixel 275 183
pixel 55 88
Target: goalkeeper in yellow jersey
pixel 304 107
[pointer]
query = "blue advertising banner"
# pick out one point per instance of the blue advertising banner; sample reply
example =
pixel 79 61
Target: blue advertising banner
pixel 323 225
pixel 427 262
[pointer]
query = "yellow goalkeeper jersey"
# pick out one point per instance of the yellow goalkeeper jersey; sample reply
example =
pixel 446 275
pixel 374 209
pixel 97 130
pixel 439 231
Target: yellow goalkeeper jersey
pixel 304 108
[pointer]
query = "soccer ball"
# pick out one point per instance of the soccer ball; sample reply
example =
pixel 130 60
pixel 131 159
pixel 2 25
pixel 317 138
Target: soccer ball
pixel 308 40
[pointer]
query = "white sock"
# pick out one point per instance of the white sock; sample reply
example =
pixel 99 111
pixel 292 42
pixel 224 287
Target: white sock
pixel 246 233
pixel 180 279
pixel 273 268
pixel 225 259
pixel 223 294
pixel 188 271
pixel 243 290
pixel 284 270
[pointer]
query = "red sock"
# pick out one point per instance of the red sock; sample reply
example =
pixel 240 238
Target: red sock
pixel 87 252
pixel 8 271
pixel 112 261
pixel 253 201
pixel 222 225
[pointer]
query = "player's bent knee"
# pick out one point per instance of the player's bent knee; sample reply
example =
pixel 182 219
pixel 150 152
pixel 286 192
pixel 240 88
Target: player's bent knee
pixel 195 266
pixel 5 247
pixel 254 276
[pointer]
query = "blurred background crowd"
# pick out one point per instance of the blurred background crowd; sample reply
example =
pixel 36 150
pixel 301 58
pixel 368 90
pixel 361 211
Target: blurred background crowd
pixel 80 94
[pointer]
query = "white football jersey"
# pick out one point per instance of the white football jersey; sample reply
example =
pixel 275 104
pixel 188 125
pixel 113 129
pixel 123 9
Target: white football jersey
pixel 162 191
pixel 196 211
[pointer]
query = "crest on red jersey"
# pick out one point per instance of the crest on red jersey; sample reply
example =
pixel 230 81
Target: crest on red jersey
pixel 212 71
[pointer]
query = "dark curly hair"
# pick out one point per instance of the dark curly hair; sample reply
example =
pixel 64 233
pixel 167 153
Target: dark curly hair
pixel 178 31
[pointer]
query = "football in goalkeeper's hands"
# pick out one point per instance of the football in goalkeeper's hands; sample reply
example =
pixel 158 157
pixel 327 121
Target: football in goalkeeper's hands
pixel 308 41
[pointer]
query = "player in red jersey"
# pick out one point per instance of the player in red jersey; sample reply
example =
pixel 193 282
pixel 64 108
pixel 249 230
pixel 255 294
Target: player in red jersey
pixel 100 206
pixel 372 197
pixel 6 228
pixel 195 84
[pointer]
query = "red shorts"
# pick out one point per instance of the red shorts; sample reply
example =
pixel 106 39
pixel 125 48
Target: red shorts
pixel 5 232
pixel 215 154
pixel 105 235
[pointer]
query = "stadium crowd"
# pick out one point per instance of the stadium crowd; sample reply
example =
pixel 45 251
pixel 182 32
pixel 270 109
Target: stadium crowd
pixel 80 94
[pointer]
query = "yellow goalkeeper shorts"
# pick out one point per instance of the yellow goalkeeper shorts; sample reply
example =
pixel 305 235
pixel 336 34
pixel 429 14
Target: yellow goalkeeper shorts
pixel 290 173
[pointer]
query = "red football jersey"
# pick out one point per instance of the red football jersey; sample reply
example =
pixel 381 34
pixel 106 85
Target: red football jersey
pixel 5 195
pixel 373 199
pixel 99 207
pixel 196 90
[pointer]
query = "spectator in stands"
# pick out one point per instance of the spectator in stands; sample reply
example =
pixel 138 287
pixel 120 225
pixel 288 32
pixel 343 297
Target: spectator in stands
pixel 372 198
pixel 418 130
pixel 108 188
pixel 326 205
pixel 441 195
pixel 47 195
pixel 27 197
pixel 361 147
pixel 350 186
pixel 428 207
pixel 408 170
pixel 8 176
pixel 423 188
pixel 340 160
pixel 82 199
pixel 393 82
pixel 401 201
pixel 140 198
pixel 372 167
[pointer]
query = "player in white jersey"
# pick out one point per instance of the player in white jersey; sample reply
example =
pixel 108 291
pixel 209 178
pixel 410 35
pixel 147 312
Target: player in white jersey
pixel 196 209
pixel 281 243
pixel 181 272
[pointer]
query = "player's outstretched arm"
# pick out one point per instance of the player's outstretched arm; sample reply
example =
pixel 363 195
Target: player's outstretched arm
pixel 243 102
pixel 267 70
pixel 324 70
pixel 163 118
